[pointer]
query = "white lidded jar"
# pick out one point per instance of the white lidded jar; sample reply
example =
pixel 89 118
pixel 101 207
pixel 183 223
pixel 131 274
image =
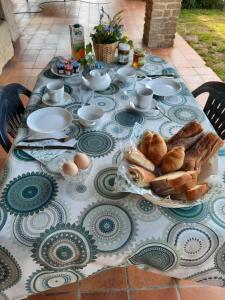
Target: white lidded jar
pixel 123 53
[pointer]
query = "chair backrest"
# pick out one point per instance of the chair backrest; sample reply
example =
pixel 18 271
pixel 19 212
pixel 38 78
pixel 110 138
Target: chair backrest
pixel 11 112
pixel 215 105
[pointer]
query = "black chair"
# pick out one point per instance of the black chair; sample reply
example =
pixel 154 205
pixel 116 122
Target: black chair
pixel 11 112
pixel 215 105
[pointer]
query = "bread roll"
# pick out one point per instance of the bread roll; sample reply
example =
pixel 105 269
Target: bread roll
pixel 157 149
pixel 145 142
pixel 134 156
pixel 140 176
pixel 173 160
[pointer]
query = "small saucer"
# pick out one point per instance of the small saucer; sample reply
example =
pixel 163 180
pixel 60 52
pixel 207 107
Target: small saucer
pixel 135 107
pixel 66 100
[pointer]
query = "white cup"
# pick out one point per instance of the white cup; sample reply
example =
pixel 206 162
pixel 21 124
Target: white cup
pixel 55 91
pixel 89 115
pixel 126 74
pixel 145 97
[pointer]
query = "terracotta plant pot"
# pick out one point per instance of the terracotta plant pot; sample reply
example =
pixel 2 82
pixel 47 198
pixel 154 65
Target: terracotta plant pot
pixel 105 52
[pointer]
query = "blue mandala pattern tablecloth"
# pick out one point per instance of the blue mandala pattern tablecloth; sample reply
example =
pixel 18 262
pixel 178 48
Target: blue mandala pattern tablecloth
pixel 50 236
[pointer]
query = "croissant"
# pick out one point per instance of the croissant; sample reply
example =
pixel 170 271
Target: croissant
pixel 173 160
pixel 140 176
pixel 145 142
pixel 157 149
pixel 134 156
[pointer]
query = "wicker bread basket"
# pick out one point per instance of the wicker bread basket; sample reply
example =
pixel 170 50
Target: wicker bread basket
pixel 105 52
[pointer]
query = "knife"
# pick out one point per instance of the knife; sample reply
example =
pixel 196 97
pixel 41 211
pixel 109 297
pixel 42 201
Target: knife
pixel 49 147
pixel 156 76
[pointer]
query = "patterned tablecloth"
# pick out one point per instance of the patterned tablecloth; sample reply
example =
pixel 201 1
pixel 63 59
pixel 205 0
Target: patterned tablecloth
pixel 50 236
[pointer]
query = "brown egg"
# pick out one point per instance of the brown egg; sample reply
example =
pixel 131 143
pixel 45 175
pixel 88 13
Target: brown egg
pixel 82 161
pixel 70 168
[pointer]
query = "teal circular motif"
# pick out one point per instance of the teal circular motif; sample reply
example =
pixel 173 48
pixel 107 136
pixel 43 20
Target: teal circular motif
pixel 185 91
pixel 43 280
pixel 154 114
pixel 106 103
pixel 143 209
pixel 196 242
pixel 73 108
pixel 174 100
pixel 155 59
pixel 154 254
pixel 222 151
pixel 209 277
pixel 186 214
pixel 110 225
pixel 4 172
pixel 96 143
pixel 21 155
pixel 3 217
pixel 10 272
pixel 27 229
pixel 117 131
pixel 48 73
pixel 113 89
pixel 128 117
pixel 28 193
pixel 74 130
pixel 81 188
pixel 217 211
pixel 168 129
pixel 182 114
pixel 64 246
pixel 104 182
pixel 169 70
pixel 117 157
pixel 220 259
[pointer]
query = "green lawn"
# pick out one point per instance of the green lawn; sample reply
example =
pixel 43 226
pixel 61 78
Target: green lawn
pixel 204 30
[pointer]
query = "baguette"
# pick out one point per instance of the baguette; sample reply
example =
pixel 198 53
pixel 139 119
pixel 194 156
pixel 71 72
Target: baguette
pixel 170 183
pixel 191 194
pixel 134 156
pixel 197 191
pixel 188 133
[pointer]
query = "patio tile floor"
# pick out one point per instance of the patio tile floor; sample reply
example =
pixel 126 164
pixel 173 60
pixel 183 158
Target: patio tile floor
pixel 46 34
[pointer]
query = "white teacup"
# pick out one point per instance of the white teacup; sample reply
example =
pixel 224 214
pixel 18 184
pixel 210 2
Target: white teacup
pixel 126 74
pixel 89 115
pixel 55 91
pixel 145 97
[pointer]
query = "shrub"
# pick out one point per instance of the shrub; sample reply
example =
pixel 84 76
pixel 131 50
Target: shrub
pixel 203 4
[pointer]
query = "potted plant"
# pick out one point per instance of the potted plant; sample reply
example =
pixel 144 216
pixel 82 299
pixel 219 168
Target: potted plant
pixel 107 35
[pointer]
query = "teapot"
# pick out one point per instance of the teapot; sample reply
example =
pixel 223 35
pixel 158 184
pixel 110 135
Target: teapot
pixel 97 80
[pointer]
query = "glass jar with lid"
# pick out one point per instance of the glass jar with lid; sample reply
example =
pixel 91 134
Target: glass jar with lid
pixel 139 58
pixel 123 53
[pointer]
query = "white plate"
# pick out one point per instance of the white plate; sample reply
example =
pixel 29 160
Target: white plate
pixel 54 71
pixel 49 119
pixel 66 100
pixel 163 87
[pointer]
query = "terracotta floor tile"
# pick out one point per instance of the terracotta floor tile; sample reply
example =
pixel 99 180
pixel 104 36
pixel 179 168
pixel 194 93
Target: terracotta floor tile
pixel 162 294
pixel 202 293
pixel 105 296
pixel 112 279
pixel 65 296
pixel 141 279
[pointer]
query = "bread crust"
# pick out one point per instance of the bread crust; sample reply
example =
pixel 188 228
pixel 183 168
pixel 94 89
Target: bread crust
pixel 140 176
pixel 145 142
pixel 173 160
pixel 157 149
pixel 135 156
